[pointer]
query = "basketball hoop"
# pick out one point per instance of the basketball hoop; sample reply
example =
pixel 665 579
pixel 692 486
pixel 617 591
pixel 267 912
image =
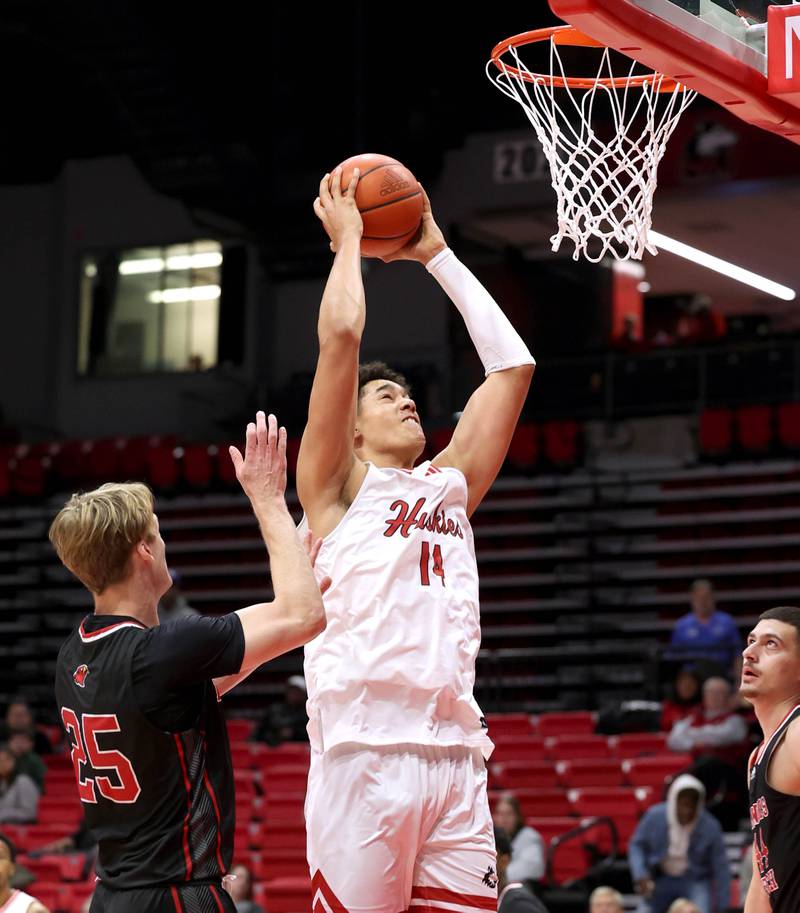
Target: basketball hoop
pixel 604 186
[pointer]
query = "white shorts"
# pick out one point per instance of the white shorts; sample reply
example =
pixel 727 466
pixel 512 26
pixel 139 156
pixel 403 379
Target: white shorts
pixel 400 827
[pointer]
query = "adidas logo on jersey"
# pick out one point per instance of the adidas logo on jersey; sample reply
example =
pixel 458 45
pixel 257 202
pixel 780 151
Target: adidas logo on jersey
pixel 392 182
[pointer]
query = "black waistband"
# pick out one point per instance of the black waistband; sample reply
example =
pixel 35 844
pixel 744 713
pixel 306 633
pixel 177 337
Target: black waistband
pixel 165 886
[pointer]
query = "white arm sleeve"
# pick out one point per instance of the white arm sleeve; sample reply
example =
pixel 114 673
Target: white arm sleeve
pixel 498 344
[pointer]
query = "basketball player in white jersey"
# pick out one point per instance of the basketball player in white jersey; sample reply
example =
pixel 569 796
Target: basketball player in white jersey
pixel 397 811
pixel 12 900
pixel 771 683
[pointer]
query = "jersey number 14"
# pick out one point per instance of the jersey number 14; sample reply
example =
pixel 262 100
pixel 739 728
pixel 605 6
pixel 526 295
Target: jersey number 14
pixel 425 568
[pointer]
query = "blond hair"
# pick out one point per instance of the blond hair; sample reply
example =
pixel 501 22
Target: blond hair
pixel 681 905
pixel 605 893
pixel 95 532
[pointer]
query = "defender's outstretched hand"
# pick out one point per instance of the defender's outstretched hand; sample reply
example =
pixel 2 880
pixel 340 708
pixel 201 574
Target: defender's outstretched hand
pixel 262 470
pixel 337 209
pixel 426 243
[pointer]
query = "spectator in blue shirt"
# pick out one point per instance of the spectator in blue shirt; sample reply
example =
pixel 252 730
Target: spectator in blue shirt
pixel 678 851
pixel 705 633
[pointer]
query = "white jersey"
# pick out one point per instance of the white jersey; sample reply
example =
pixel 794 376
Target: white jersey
pixel 396 662
pixel 19 902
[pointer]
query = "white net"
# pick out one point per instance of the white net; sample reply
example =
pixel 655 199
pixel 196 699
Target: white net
pixel 604 186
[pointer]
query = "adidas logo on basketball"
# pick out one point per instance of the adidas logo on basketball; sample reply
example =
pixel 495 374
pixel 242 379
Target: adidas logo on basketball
pixel 392 182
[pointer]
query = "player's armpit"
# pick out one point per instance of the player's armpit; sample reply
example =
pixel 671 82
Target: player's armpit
pixel 484 431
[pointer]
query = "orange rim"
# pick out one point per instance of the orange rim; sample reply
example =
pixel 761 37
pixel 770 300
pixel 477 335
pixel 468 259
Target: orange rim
pixel 570 36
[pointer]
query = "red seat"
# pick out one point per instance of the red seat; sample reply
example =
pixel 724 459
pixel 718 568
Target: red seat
pixel 525 775
pixel 715 432
pixel 225 468
pixel 286 895
pixel 605 801
pixel 573 723
pixel 590 772
pixel 283 835
pixel 540 803
pixel 240 730
pixel 162 466
pixel 509 724
pixel 567 747
pixel 561 442
pixel 523 451
pixel 102 460
pixel 653 771
pixel 789 425
pixel 69 460
pixel 280 864
pixel 548 828
pixel 29 476
pixel 754 428
pixel 637 744
pixel 521 748
pixel 197 465
pixel 56 867
pixel 570 862
pixel 133 458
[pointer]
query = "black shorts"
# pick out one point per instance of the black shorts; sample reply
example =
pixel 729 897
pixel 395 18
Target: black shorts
pixel 183 898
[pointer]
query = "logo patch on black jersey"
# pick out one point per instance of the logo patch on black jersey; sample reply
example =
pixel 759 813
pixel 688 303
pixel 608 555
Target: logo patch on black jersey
pixel 80 674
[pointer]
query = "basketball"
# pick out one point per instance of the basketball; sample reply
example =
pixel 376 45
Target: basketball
pixel 389 199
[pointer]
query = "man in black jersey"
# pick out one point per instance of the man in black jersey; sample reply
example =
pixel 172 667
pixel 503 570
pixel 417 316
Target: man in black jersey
pixel 139 701
pixel 771 683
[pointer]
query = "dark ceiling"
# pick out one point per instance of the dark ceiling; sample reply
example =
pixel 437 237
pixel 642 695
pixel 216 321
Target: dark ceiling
pixel 238 108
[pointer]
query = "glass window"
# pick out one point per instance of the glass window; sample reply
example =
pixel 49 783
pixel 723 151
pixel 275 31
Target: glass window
pixel 150 309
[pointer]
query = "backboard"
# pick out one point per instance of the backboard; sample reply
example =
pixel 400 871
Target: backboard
pixel 743 54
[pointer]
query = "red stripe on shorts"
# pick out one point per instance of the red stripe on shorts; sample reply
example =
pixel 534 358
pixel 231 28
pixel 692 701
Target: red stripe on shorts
pixel 216 897
pixel 176 899
pixel 479 901
pixel 318 883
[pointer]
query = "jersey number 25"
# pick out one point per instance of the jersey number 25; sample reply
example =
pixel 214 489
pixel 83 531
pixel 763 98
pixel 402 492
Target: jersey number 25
pixel 83 734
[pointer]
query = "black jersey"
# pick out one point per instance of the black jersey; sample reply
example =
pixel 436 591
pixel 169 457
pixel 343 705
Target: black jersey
pixel 150 746
pixel 775 822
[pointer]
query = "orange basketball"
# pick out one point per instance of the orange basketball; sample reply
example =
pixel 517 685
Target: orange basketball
pixel 389 199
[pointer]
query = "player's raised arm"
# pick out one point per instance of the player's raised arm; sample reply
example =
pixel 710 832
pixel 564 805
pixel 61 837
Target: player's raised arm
pixel 326 457
pixel 296 615
pixel 484 431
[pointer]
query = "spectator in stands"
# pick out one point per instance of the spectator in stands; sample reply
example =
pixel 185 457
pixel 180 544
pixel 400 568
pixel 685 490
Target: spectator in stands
pixel 174 604
pixel 19 718
pixel 240 887
pixel 683 699
pixel 719 741
pixel 11 899
pixel 527 845
pixel 28 762
pixel 512 896
pixel 678 851
pixel 682 905
pixel 286 721
pixel 605 900
pixel 713 729
pixel 705 633
pixel 19 795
